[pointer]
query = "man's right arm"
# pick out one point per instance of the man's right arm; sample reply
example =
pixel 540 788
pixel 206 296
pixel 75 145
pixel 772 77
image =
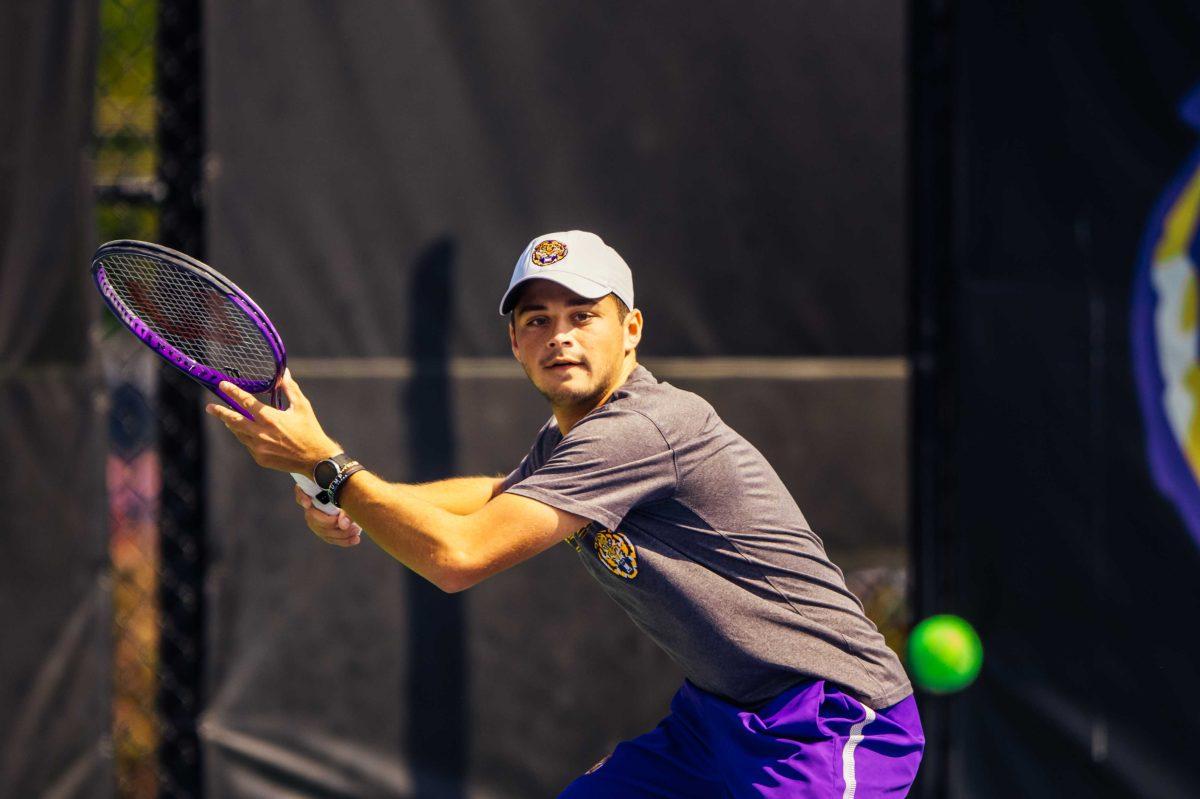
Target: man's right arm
pixel 459 495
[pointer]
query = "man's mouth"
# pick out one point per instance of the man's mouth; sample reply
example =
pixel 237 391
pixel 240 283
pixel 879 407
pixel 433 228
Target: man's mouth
pixel 562 365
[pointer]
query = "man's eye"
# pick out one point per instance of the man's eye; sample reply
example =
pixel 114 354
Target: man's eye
pixel 582 315
pixel 536 321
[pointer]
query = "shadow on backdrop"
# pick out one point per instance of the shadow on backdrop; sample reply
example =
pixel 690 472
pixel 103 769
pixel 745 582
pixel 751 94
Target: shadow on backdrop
pixel 437 679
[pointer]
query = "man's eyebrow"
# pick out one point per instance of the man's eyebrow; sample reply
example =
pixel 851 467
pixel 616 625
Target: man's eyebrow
pixel 570 304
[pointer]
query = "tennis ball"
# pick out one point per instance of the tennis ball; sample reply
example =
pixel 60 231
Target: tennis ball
pixel 944 654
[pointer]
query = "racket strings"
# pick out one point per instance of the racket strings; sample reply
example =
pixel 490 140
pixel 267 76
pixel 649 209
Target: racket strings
pixel 192 315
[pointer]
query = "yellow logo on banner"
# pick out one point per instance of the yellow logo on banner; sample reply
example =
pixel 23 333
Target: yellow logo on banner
pixel 1166 335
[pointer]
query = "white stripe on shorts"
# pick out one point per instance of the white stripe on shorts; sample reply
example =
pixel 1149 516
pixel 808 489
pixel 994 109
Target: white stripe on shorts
pixel 856 735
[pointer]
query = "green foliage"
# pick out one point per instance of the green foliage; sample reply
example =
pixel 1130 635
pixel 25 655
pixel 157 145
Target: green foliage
pixel 126 63
pixel 126 108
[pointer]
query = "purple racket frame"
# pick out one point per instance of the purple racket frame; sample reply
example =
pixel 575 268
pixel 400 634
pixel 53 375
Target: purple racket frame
pixel 207 376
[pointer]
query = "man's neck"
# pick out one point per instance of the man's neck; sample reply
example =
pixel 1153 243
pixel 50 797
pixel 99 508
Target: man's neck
pixel 568 417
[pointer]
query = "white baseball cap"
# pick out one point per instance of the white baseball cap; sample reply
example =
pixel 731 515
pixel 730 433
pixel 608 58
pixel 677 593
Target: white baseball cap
pixel 579 260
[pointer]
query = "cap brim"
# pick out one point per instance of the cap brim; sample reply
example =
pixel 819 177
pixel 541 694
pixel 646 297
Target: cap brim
pixel 584 287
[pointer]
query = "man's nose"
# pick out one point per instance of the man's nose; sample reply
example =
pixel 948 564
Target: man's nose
pixel 562 334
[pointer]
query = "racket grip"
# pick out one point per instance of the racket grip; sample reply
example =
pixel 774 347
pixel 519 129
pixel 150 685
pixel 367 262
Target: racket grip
pixel 312 489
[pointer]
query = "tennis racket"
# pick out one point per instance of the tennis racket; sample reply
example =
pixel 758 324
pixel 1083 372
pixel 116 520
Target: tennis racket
pixel 198 321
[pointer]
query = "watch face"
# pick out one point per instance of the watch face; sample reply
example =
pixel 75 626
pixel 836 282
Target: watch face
pixel 324 473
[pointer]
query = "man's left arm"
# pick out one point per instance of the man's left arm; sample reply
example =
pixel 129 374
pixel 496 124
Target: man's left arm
pixel 454 552
pixel 450 550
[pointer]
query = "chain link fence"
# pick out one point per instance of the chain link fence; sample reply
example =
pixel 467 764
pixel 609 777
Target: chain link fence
pixel 133 480
pixel 146 159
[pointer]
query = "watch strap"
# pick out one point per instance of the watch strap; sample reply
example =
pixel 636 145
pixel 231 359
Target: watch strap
pixel 339 482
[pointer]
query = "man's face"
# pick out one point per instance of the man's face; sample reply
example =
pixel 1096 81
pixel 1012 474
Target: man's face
pixel 571 348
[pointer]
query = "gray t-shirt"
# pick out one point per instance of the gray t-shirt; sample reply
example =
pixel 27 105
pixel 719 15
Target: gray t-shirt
pixel 697 538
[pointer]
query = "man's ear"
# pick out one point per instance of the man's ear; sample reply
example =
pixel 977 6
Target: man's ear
pixel 512 339
pixel 633 329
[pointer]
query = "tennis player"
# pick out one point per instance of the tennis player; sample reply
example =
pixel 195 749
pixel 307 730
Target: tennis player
pixel 790 690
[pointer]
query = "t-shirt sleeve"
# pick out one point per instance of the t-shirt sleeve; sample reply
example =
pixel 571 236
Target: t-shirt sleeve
pixel 610 462
pixel 516 475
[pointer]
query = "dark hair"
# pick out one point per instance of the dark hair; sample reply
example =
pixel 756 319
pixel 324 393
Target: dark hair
pixel 622 310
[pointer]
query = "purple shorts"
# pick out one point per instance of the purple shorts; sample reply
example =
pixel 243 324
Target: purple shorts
pixel 810 741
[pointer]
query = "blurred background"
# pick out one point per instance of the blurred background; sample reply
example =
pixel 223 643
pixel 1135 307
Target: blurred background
pixel 935 259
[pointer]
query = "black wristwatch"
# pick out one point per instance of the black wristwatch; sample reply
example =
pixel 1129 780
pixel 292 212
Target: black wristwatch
pixel 331 474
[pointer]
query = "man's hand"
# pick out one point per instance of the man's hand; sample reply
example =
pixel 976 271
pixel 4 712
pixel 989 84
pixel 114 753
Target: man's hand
pixel 289 441
pixel 337 530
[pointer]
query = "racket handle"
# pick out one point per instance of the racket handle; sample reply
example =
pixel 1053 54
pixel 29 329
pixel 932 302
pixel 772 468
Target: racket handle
pixel 312 489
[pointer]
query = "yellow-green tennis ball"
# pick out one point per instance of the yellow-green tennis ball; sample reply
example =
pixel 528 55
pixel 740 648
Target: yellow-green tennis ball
pixel 944 654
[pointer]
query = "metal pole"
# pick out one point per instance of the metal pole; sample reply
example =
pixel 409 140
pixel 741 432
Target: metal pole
pixel 932 301
pixel 180 73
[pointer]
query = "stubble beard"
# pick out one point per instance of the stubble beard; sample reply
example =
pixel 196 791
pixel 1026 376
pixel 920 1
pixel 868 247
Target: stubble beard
pixel 563 398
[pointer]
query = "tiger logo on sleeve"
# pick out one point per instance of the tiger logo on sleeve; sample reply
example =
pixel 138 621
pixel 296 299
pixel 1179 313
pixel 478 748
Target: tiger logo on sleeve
pixel 617 553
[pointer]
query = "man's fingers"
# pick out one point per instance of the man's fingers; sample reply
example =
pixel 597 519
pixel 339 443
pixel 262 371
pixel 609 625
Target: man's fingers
pixel 322 521
pixel 325 531
pixel 319 519
pixel 339 530
pixel 229 417
pixel 243 398
pixel 338 537
pixel 292 390
pixel 334 536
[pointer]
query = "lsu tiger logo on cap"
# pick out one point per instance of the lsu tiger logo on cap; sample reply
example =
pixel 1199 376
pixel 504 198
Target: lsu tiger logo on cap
pixel 548 252
pixel 617 552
